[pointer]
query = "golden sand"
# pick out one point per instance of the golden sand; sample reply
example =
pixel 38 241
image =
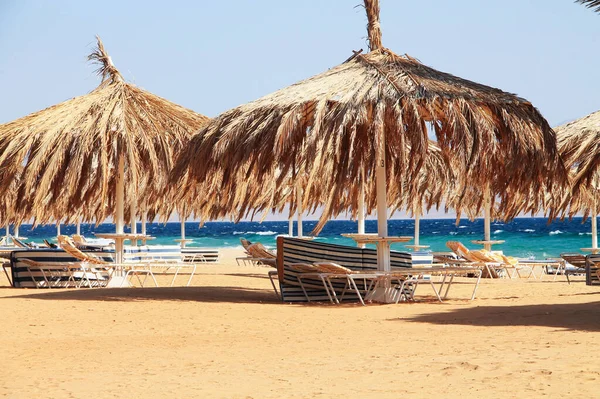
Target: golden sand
pixel 227 336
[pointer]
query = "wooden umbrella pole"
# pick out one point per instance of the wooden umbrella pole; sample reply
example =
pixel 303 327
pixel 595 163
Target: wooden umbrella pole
pixel 182 228
pixel 78 227
pixel 373 27
pixel 291 224
pixel 361 207
pixel 58 228
pixel 594 225
pixel 17 230
pixel 132 221
pixel 144 218
pixel 299 195
pixel 417 227
pixel 7 232
pixel 120 207
pixel 487 218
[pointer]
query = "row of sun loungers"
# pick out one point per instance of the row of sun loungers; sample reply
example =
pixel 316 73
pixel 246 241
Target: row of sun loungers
pixel 80 264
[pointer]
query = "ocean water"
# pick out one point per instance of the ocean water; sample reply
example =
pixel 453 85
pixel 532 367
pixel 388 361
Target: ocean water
pixel 524 237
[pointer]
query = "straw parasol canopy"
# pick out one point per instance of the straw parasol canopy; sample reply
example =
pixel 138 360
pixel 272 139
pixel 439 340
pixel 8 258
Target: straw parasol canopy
pixel 579 145
pixel 594 4
pixel 360 117
pixel 67 156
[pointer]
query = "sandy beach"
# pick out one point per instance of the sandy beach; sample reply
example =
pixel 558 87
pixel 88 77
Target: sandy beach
pixel 227 336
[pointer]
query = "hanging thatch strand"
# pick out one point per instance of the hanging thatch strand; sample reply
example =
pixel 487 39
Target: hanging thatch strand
pixel 594 4
pixel 66 156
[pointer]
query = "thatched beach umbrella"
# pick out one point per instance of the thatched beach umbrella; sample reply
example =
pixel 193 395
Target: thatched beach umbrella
pixel 579 145
pixel 86 156
pixel 359 117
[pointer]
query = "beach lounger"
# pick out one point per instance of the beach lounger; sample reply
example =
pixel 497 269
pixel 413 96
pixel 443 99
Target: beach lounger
pixel 162 259
pixel 574 265
pixel 259 255
pixel 49 244
pixel 67 244
pixel 292 250
pixel 475 259
pixel 65 274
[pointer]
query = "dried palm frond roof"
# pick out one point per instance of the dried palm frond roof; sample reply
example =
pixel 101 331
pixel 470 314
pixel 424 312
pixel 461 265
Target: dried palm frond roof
pixel 67 154
pixel 331 125
pixel 579 145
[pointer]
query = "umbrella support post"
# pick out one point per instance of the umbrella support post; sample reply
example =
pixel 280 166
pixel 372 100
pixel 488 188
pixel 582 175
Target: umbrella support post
pixel 594 226
pixel 417 227
pixel 382 292
pixel 361 209
pixel 17 230
pixel 78 227
pixel 58 229
pixel 291 226
pixel 133 222
pixel 299 206
pixel 487 219
pixel 144 217
pixel 182 231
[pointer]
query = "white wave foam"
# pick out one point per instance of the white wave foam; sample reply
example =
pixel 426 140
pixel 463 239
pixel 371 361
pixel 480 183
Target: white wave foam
pixel 453 233
pixel 257 233
pixel 555 232
pixel 462 227
pixel 585 234
pixel 498 231
pixel 529 230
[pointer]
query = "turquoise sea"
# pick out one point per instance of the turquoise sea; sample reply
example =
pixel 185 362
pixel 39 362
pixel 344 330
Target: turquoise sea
pixel 524 237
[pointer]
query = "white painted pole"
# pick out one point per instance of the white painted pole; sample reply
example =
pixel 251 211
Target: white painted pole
pixel 57 228
pixel 383 248
pixel 291 225
pixel 299 196
pixel 594 226
pixel 17 230
pixel 133 221
pixel 7 233
pixel 78 227
pixel 361 208
pixel 144 217
pixel 120 207
pixel 417 228
pixel 182 221
pixel 487 219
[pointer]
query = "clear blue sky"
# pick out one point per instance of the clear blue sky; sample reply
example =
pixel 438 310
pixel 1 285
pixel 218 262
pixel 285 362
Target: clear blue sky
pixel 213 55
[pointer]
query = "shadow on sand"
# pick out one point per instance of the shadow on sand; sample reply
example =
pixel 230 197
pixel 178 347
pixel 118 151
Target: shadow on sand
pixel 197 294
pixel 572 316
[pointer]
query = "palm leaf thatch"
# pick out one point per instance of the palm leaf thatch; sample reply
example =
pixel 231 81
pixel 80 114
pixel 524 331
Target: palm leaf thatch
pixel 593 4
pixel 331 126
pixel 579 145
pixel 66 156
pixel 247 200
